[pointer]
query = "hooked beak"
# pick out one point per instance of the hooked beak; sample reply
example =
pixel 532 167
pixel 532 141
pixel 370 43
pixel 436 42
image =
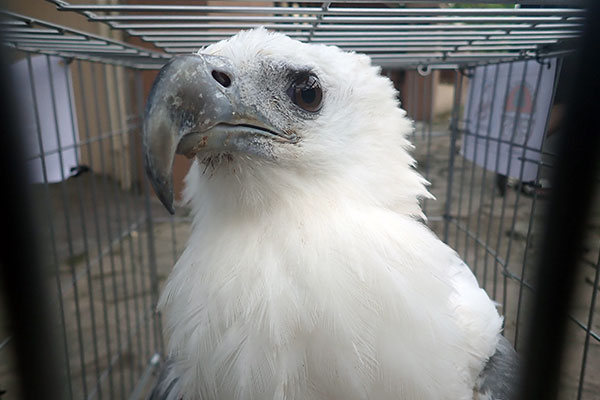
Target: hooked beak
pixel 195 106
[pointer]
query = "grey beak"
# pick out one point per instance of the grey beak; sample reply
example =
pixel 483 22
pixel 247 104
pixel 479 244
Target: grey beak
pixel 195 106
pixel 185 98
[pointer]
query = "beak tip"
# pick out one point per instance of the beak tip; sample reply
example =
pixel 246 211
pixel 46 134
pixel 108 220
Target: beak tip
pixel 162 183
pixel 170 208
pixel 167 200
pixel 164 192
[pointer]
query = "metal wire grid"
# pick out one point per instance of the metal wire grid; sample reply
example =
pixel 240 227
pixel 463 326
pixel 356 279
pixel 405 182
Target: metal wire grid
pixel 34 35
pixel 104 235
pixel 391 34
pixel 496 224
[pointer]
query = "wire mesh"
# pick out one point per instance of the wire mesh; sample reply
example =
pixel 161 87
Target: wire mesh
pixel 39 36
pixel 98 222
pixel 111 244
pixel 392 35
pixel 495 221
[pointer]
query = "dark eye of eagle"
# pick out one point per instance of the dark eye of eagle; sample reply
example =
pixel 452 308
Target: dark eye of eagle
pixel 305 91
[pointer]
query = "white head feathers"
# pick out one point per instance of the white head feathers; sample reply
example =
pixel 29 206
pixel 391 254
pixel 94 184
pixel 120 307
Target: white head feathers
pixel 356 149
pixel 306 275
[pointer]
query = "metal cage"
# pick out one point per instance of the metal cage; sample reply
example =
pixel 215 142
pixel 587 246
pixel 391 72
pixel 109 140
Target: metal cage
pixel 110 244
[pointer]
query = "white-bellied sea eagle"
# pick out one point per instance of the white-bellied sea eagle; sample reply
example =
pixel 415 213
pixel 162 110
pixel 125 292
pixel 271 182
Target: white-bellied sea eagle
pixel 309 273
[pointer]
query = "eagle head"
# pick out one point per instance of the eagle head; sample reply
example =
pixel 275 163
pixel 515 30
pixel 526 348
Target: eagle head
pixel 270 119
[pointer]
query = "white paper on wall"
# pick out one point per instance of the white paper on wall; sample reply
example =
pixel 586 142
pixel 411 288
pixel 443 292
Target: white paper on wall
pixel 51 117
pixel 505 128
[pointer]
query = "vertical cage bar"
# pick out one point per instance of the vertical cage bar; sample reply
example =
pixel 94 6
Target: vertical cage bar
pixel 458 82
pixel 109 237
pixel 139 289
pixel 502 212
pixel 150 252
pixel 463 167
pixel 484 174
pixel 429 133
pixel 94 192
pixel 423 104
pixel 120 131
pixel 413 100
pixel 514 219
pixel 493 201
pixel 151 249
pixel 129 223
pixel 96 224
pixel 67 217
pixel 119 231
pixel 473 168
pixel 85 236
pixel 51 227
pixel 142 321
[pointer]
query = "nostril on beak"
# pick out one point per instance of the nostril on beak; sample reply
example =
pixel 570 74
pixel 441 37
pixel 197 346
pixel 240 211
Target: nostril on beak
pixel 221 77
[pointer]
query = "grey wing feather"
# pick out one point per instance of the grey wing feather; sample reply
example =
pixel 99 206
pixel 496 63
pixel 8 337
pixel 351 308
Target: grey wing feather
pixel 167 384
pixel 500 377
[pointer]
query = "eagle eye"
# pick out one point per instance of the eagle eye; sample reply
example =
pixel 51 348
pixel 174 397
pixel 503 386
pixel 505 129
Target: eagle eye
pixel 305 91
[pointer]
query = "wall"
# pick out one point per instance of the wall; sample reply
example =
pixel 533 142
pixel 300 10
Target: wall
pixel 105 111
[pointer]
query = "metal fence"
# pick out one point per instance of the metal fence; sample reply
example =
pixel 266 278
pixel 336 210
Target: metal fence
pixel 98 223
pixel 495 222
pixel 110 243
